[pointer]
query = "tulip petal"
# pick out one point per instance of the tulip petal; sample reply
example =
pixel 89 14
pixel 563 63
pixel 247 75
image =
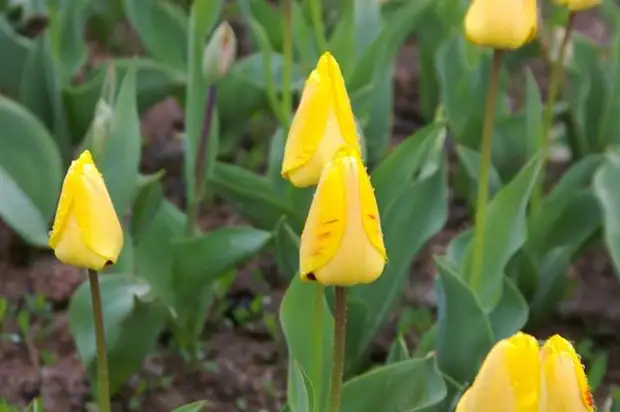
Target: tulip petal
pixel 67 196
pixel 370 214
pixel 565 386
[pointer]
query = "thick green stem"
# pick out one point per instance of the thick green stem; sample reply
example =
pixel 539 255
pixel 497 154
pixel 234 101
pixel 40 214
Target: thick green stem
pixel 555 82
pixel 340 328
pixel 102 353
pixel 201 162
pixel 287 72
pixel 316 15
pixel 485 167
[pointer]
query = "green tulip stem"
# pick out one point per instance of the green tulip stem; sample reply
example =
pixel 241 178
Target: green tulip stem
pixel 340 327
pixel 485 166
pixel 201 162
pixel 102 353
pixel 287 71
pixel 319 308
pixel 555 82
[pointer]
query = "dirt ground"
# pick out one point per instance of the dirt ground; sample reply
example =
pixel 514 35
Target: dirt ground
pixel 247 367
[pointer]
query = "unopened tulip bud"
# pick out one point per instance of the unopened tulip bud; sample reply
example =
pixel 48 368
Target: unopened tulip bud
pixel 342 242
pixel 220 52
pixel 322 125
pixel 564 383
pixel 576 5
pixel 86 231
pixel 501 24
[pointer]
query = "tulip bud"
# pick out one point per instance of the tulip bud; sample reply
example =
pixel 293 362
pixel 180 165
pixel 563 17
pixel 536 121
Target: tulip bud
pixel 576 5
pixel 342 242
pixel 101 125
pixel 322 125
pixel 501 24
pixel 509 379
pixel 86 231
pixel 220 52
pixel 564 383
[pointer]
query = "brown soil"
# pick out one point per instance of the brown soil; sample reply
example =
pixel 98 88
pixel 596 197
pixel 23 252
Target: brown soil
pixel 246 366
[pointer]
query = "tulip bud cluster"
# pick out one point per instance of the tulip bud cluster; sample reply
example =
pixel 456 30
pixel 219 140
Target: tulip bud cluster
pixel 342 241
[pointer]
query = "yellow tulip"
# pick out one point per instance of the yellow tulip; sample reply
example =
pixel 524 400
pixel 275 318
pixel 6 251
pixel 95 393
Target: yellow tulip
pixel 576 5
pixel 509 379
pixel 322 124
pixel 86 231
pixel 501 24
pixel 564 383
pixel 342 242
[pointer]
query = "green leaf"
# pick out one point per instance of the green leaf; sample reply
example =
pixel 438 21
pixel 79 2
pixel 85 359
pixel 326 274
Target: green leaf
pixel 308 329
pixel 30 159
pixel 118 158
pixel 14 51
pixel 606 189
pixel 40 93
pixel 162 27
pixel 406 386
pixel 398 351
pixel 301 393
pixel 464 335
pixel 36 405
pixel 132 322
pixel 552 283
pixel 511 313
pixel 423 206
pixel 254 197
pixel 203 16
pixel 192 407
pixel 154 82
pixel 610 121
pixel 146 204
pixel 287 250
pixel 470 160
pixel 199 260
pixel 67 24
pixel 504 234
pixel 533 118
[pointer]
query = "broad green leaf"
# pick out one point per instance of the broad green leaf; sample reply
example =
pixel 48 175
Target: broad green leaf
pixel 533 115
pixel 417 214
pixel 301 393
pixel 470 160
pixel 606 189
pixel 18 211
pixel 36 406
pixel 464 335
pixel 610 121
pixel 406 386
pixel 287 250
pixel 308 329
pixel 368 24
pixel 40 92
pixel 146 204
pixel 29 157
pixel 398 351
pixel 192 407
pixel 254 197
pixel 154 82
pixel 14 51
pixel 68 21
pixel 552 283
pixel 511 312
pixel 162 27
pixel 203 16
pixel 118 158
pixel 132 322
pixel 504 234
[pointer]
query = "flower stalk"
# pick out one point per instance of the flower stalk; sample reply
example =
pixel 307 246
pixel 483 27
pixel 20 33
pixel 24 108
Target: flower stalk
pixel 555 82
pixel 201 161
pixel 102 353
pixel 340 327
pixel 485 166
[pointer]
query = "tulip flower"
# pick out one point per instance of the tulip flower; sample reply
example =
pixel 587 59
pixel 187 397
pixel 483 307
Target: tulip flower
pixel 576 5
pixel 509 379
pixel 86 231
pixel 322 124
pixel 342 242
pixel 564 382
pixel 220 52
pixel 501 24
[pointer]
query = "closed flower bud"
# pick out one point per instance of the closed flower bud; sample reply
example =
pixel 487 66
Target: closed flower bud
pixel 509 379
pixel 220 52
pixel 576 5
pixel 342 243
pixel 501 24
pixel 101 125
pixel 322 124
pixel 86 231
pixel 564 383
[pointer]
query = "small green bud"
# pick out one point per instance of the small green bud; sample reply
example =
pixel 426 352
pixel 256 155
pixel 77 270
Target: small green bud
pixel 100 130
pixel 220 52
